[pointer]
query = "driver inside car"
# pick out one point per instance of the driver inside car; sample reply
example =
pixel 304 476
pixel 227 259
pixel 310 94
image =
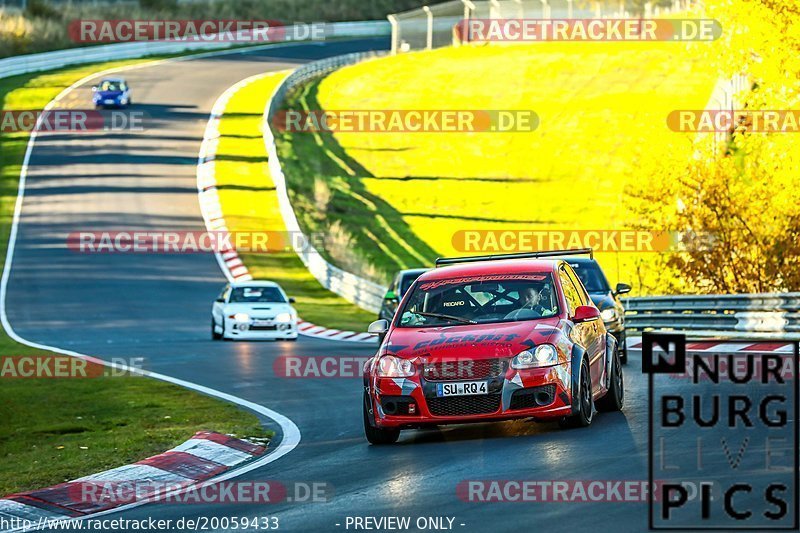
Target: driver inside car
pixel 531 301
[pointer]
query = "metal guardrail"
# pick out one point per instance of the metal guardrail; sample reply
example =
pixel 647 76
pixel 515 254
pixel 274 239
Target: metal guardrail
pixel 768 315
pixel 24 64
pixel 359 291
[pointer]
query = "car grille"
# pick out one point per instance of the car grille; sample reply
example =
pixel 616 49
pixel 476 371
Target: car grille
pixel 464 405
pixel 464 369
pixel 263 328
pixel 533 397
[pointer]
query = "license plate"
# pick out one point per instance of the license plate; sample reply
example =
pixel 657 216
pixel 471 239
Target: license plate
pixel 262 322
pixel 462 388
pixel 110 102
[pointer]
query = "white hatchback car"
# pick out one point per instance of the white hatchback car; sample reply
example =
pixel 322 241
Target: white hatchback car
pixel 253 310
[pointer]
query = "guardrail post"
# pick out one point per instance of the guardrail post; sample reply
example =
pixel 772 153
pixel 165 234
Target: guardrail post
pixel 429 41
pixel 520 9
pixel 494 10
pixel 395 33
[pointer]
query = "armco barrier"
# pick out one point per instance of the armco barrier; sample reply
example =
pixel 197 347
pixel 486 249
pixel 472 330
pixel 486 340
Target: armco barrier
pixel 759 315
pixel 363 293
pixel 14 66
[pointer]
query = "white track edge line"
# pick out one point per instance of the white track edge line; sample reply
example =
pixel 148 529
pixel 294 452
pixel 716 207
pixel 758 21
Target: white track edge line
pixel 291 433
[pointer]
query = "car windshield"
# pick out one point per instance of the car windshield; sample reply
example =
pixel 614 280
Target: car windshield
pixel 481 300
pixel 111 86
pixel 257 294
pixel 591 276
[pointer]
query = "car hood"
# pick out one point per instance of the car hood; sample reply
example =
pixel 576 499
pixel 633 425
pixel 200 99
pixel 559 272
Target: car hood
pixel 475 341
pixel 258 309
pixel 108 94
pixel 602 300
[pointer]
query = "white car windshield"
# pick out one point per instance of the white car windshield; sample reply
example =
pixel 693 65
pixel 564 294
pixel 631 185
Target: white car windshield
pixel 257 295
pixel 112 86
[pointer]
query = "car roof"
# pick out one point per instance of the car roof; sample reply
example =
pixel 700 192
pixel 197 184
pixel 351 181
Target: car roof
pixel 413 271
pixel 254 283
pixel 485 268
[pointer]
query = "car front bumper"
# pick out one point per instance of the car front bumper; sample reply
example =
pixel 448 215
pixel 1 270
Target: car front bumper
pixel 541 393
pixel 248 332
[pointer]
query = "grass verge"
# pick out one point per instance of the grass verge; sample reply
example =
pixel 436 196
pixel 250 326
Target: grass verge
pixel 54 430
pixel 250 203
pixel 398 198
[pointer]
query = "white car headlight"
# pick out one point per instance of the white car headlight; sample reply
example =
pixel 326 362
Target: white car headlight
pixel 390 366
pixel 241 317
pixel 609 315
pixel 542 355
pixel 283 317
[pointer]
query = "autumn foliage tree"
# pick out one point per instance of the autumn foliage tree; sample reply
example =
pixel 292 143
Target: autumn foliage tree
pixel 736 206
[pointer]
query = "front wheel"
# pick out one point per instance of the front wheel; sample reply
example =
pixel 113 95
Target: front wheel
pixel 623 349
pixel 214 335
pixel 615 397
pixel 376 435
pixel 583 417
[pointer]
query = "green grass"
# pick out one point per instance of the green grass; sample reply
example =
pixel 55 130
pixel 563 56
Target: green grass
pixel 119 420
pixel 400 197
pixel 249 201
pixel 47 423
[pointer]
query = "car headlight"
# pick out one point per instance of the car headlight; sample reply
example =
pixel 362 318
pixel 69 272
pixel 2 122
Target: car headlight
pixel 240 317
pixel 542 355
pixel 283 317
pixel 390 366
pixel 609 315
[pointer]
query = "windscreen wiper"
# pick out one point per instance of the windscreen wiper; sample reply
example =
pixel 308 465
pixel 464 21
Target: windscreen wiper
pixel 445 317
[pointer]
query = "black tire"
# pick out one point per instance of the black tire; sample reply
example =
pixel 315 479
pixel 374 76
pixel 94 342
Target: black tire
pixel 375 435
pixel 615 397
pixel 583 417
pixel 291 340
pixel 623 350
pixel 214 335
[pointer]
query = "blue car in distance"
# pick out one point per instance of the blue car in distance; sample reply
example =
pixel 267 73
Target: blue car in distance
pixel 111 92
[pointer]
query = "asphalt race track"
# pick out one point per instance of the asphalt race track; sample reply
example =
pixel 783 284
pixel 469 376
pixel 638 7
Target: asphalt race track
pixel 158 307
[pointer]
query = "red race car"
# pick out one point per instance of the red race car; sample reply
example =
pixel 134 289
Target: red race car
pixel 492 338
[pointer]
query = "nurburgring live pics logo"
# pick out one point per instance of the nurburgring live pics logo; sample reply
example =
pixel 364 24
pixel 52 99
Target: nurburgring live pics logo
pixel 738 431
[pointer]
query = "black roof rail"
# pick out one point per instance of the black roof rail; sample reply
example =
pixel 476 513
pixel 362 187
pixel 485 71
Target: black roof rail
pixel 521 255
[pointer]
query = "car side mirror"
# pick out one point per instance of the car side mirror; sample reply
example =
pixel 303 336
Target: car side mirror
pixel 586 313
pixel 291 300
pixel 622 288
pixel 391 296
pixel 379 326
pixel 94 88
